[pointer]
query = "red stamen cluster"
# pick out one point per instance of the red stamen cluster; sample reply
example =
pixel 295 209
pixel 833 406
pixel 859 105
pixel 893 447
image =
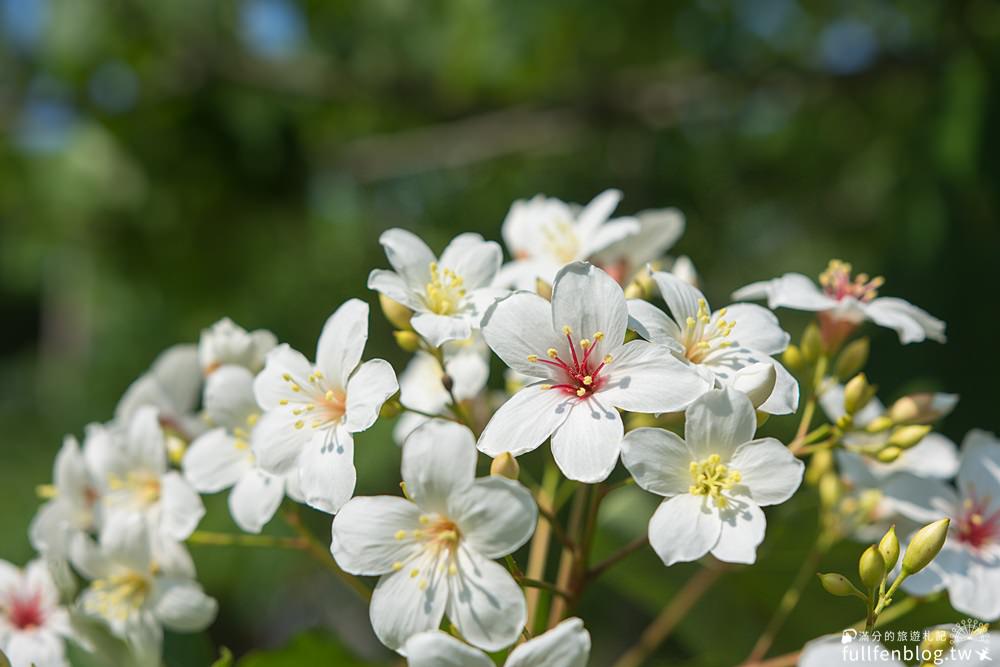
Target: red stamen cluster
pixel 25 613
pixel 975 527
pixel 581 379
pixel 838 284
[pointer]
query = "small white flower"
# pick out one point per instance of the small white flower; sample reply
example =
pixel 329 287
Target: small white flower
pixel 33 625
pixel 566 645
pixel 434 553
pixel 172 386
pixel 969 563
pixel 544 234
pixel 140 584
pixel 221 458
pixel 448 295
pixel 843 303
pixel 313 411
pixel 658 231
pixel 729 347
pixel 132 477
pixel 227 343
pixel 575 346
pixel 715 480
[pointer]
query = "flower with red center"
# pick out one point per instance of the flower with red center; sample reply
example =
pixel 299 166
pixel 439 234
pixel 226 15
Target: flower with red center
pixel 575 348
pixel 33 625
pixel 312 411
pixel 844 302
pixel 969 563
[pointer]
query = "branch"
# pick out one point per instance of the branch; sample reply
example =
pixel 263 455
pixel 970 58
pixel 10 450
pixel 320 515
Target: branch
pixel 322 554
pixel 614 558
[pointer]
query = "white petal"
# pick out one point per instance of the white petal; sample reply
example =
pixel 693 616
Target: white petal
pixel 588 300
pixel 684 528
pixel 70 474
pixel 494 514
pixel 145 442
pixel 370 386
pixel 180 507
pixel 784 398
pixel 979 472
pixel 342 342
pixel 326 469
pixel 935 456
pixel 833 652
pixel 439 329
pixel 645 377
pixel 594 214
pixel 474 260
pixel 525 421
pixel 276 442
pixel 37 648
pixel 439 458
pixel 756 381
pixel 658 460
pixel 743 526
pixel 178 373
pixel 270 386
pixel 468 367
pixel 519 326
pixel 214 462
pixel 718 422
pixel 911 323
pixel 608 234
pixel 792 290
pixel 659 229
pixel 757 328
pixel 682 298
pixel 393 286
pixel 403 605
pixel 229 399
pixel 566 645
pixel 653 324
pixel 439 649
pixel 125 538
pixel 587 445
pixel 923 500
pixel 973 590
pixel 87 557
pixel 364 534
pixel 181 605
pixel 484 602
pixel 420 385
pixel 408 254
pixel 770 472
pixel 255 499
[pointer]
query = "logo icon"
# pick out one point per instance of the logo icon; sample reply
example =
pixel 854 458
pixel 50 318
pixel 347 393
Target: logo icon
pixel 848 636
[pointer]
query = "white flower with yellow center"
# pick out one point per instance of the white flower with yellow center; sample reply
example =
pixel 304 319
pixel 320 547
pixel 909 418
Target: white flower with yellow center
pixel 311 412
pixel 222 458
pixel 173 386
pixel 575 347
pixel 132 476
pixel 448 295
pixel 715 480
pixel 728 346
pixel 434 550
pixel 843 302
pixel 543 234
pixel 33 625
pixel 227 343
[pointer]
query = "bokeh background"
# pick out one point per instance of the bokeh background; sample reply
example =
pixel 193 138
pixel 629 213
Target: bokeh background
pixel 165 164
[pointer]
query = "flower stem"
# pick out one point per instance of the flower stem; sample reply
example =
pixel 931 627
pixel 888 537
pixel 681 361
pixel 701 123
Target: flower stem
pixel 241 540
pixel 538 552
pixel 569 561
pixel 616 557
pixel 322 554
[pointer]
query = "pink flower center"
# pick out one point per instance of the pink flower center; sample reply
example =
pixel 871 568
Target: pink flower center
pixel 25 612
pixel 581 374
pixel 975 527
pixel 837 282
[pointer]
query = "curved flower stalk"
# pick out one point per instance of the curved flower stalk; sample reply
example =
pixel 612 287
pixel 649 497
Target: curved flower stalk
pixel 33 623
pixel 226 343
pixel 221 458
pixel 844 302
pixel 715 480
pixel 173 386
pixel 448 295
pixel 566 645
pixel 727 346
pixel 434 550
pixel 575 348
pixel 312 411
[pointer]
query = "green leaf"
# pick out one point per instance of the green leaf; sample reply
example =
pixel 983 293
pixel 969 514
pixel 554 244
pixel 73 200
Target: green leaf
pixel 225 658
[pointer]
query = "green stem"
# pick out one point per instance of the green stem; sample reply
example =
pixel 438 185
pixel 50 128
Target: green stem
pixel 241 540
pixel 322 554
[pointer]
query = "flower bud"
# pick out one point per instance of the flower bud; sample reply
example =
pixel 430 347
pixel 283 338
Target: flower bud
pixel 820 463
pixel 829 490
pixel 935 643
pixel 762 418
pixel 879 424
pixel 871 567
pixel 838 584
pixel 888 454
pixel 756 381
pixel 905 437
pixel 812 343
pixel 857 393
pixel 543 289
pixel 176 446
pixel 407 340
pixel 889 548
pixel 397 314
pixel 924 546
pixel 505 465
pixel 634 291
pixel 391 408
pixel 792 358
pixel 923 408
pixel 853 358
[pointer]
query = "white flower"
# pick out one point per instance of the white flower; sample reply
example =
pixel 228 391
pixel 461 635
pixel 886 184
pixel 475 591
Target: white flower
pixel 313 411
pixel 969 563
pixel 221 458
pixel 131 473
pixel 448 295
pixel 544 234
pixel 139 584
pixel 566 645
pixel 658 231
pixel 33 625
pixel 729 347
pixel 173 386
pixel 715 480
pixel 843 303
pixel 227 343
pixel 434 552
pixel 467 363
pixel 575 345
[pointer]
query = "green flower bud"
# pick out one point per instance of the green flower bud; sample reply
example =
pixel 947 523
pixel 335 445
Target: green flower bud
pixel 792 358
pixel 838 584
pixel 857 393
pixel 936 642
pixel 391 408
pixel 853 358
pixel 924 546
pixel 905 437
pixel 922 408
pixel 812 343
pixel 505 465
pixel 871 567
pixel 397 314
pixel 829 490
pixel 407 340
pixel 879 424
pixel 543 289
pixel 889 548
pixel 888 454
pixel 820 463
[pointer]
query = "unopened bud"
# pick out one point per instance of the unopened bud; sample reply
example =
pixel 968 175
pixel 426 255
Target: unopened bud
pixel 905 437
pixel 820 463
pixel 853 358
pixel 762 418
pixel 838 584
pixel 829 490
pixel 391 408
pixel 397 314
pixel 888 454
pixel 176 446
pixel 543 289
pixel 871 567
pixel 812 343
pixel 923 408
pixel 447 382
pixel 857 393
pixel 879 424
pixel 756 381
pixel 792 358
pixel 408 341
pixel 634 291
pixel 935 643
pixel 889 548
pixel 505 465
pixel 924 546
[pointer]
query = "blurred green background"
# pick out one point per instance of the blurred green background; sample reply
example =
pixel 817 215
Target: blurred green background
pixel 165 164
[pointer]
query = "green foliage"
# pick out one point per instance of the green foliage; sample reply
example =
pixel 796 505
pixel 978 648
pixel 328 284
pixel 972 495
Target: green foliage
pixel 309 648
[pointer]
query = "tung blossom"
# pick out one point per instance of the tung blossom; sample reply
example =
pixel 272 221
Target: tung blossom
pixel 448 295
pixel 434 550
pixel 574 348
pixel 715 480
pixel 33 624
pixel 728 347
pixel 658 231
pixel 312 411
pixel 173 386
pixel 844 302
pixel 227 343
